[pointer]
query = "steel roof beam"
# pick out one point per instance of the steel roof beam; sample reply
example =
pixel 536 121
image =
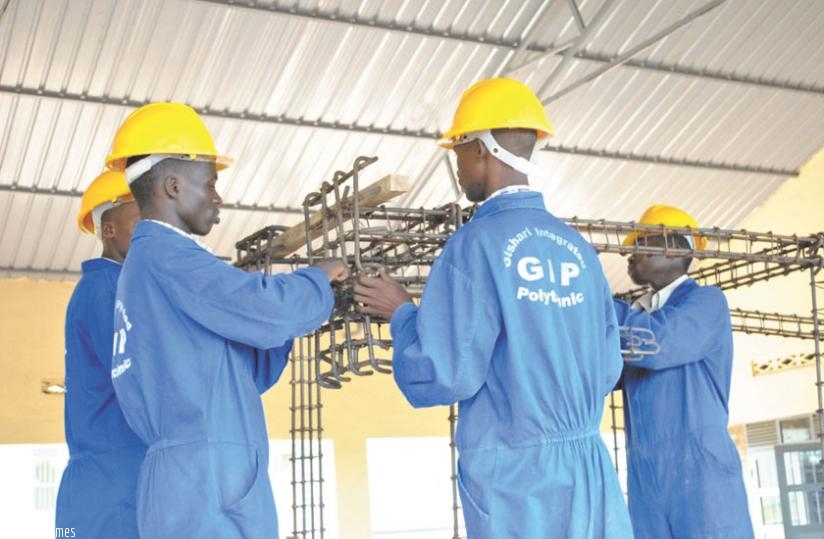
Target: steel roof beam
pixel 390 26
pixel 227 114
pixel 705 73
pixel 671 161
pixel 409 133
pixel 625 57
pixel 77 194
pixel 562 67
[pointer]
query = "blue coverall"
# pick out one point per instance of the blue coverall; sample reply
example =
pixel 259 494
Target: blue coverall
pixel 98 489
pixel 684 471
pixel 516 324
pixel 197 341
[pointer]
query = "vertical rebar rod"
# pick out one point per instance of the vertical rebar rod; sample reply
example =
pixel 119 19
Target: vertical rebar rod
pixel 293 432
pixel 453 451
pixel 818 367
pixel 302 407
pixel 307 382
pixel 614 427
pixel 319 423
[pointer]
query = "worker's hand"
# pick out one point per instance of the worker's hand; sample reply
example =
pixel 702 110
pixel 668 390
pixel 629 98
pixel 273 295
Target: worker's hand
pixel 336 269
pixel 379 296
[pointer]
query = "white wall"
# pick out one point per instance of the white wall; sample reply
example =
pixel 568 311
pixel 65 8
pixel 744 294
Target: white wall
pixel 796 208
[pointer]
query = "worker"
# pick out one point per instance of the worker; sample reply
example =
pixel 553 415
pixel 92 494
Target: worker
pixel 684 472
pixel 516 324
pixel 97 491
pixel 197 340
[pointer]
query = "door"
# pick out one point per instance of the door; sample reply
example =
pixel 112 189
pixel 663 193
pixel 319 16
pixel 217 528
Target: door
pixel 801 484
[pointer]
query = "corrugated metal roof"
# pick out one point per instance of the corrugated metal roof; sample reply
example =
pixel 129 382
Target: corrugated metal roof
pixel 729 105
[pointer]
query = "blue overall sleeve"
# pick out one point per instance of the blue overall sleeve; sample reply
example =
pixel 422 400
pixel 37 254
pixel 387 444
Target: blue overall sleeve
pixel 613 335
pixel 100 326
pixel 443 349
pixel 685 330
pixel 262 311
pixel 621 310
pixel 268 365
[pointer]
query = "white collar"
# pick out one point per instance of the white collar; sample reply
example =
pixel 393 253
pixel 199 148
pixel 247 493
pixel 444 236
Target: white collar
pixel 184 234
pixel 652 300
pixel 508 190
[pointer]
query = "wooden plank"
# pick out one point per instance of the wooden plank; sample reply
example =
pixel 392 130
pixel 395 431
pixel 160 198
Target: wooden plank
pixel 375 194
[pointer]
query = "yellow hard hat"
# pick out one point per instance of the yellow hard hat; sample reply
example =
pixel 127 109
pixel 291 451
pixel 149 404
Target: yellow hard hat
pixel 498 104
pixel 659 214
pixel 164 128
pixel 109 187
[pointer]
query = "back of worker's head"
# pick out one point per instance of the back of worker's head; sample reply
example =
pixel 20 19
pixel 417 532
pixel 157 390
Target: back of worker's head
pixel 506 116
pixel 170 161
pixel 517 141
pixel 107 210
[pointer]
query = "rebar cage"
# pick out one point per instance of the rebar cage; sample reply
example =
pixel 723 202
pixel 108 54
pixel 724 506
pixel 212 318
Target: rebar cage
pixel 343 220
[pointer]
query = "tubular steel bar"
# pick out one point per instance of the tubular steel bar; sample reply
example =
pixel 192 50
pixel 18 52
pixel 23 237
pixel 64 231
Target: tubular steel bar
pixel 626 56
pixel 457 510
pixel 428 31
pixel 664 160
pixel 307 437
pixel 815 286
pixel 613 411
pixel 48 191
pixel 262 118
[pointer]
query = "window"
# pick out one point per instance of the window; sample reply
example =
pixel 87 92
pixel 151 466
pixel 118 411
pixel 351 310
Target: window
pixel 410 488
pixel 797 429
pixel 771 510
pixel 806 508
pixel 31 476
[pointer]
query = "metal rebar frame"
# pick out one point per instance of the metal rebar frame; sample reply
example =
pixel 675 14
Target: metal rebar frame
pixel 407 241
pixel 776 324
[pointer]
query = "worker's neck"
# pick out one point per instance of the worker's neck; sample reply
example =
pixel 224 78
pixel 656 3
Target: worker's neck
pixel 664 280
pixel 111 252
pixel 168 217
pixel 499 181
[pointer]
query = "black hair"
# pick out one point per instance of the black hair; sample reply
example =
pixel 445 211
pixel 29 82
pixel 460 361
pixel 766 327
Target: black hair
pixel 520 142
pixel 143 186
pixel 681 242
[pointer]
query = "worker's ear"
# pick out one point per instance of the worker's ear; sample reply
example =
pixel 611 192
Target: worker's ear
pixel 107 229
pixel 172 186
pixel 482 149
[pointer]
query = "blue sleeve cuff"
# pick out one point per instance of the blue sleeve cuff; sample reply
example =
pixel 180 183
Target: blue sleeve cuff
pixel 318 276
pixel 400 317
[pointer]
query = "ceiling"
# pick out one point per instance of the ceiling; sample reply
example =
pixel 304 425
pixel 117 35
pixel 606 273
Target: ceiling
pixel 707 105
